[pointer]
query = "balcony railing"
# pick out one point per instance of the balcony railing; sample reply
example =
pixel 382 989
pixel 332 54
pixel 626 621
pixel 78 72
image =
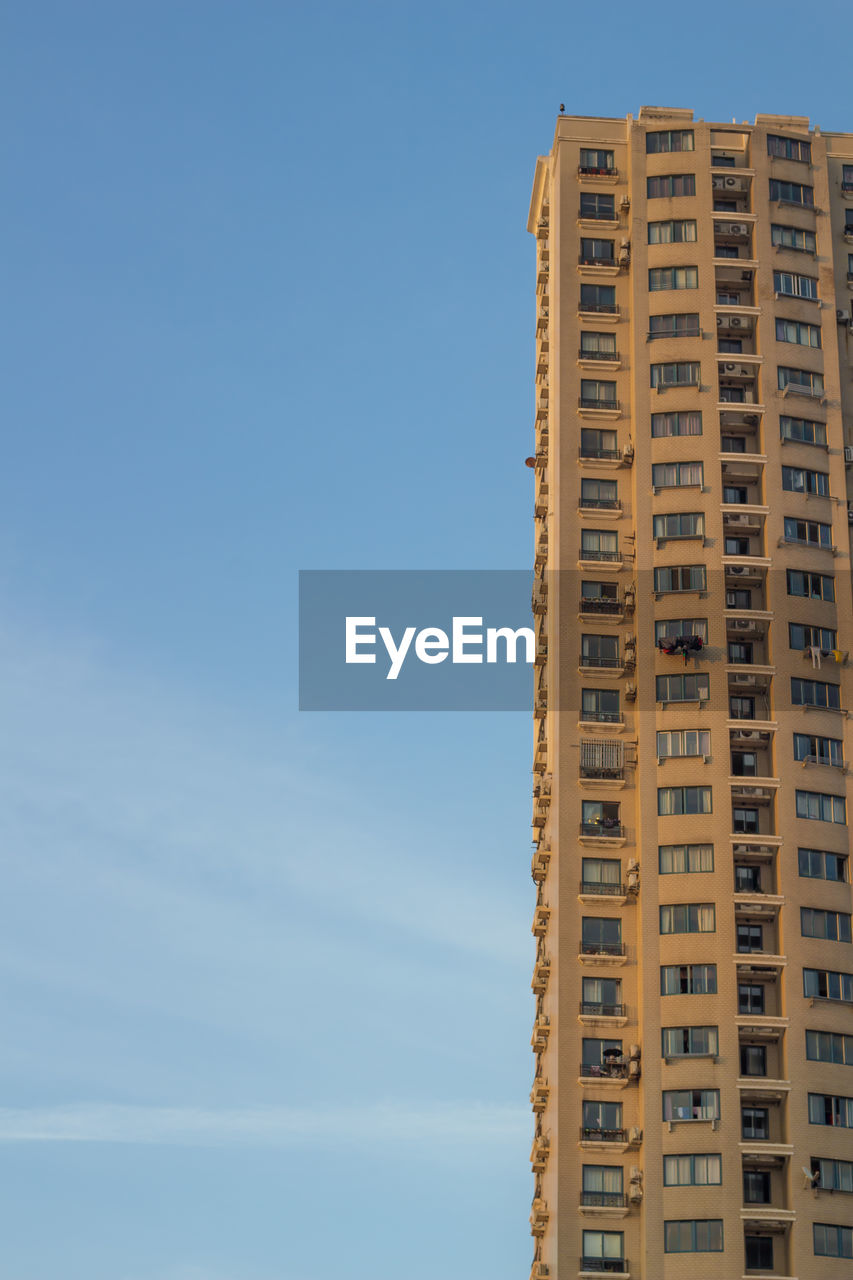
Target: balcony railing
pixel 595 1009
pixel 605 1199
pixel 602 948
pixel 604 1070
pixel 587 171
pixel 591 553
pixel 589 660
pixel 604 1135
pixel 595 215
pixel 605 829
pixel 596 402
pixel 602 888
pixel 597 771
pixel 593 261
pixel 600 604
pixel 674 333
pixel 597 355
pixel 612 455
pixel 600 504
pixel 600 308
pixel 618 1266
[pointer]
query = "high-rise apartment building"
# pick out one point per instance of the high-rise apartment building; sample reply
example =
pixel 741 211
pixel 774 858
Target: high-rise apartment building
pixel 693 1090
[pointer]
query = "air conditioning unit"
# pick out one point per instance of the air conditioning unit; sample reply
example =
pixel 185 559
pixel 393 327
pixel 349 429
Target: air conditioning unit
pixel 704 694
pixel 751 735
pixel 737 569
pixel 635 1134
pixel 747 681
pixel 633 864
pixel 732 183
pixel 740 624
pixel 625 203
pixel 842 317
pixel 738 229
pixel 730 366
pixel 630 691
pixel 848 453
pixel 736 322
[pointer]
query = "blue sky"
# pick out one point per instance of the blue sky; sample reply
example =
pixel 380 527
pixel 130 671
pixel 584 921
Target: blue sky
pixel 264 983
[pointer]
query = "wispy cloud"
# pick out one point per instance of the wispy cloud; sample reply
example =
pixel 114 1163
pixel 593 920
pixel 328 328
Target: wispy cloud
pixel 437 1126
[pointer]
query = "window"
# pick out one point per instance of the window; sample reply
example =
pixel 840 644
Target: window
pixel 600 705
pixel 601 817
pixel 831 1241
pixel 682 324
pixel 811 533
pixel 739 651
pixel 669 140
pixel 795 286
pixel 682 688
pixel 685 742
pixel 815 693
pixel 847 177
pixel 674 231
pixel 601 1117
pixel 599 651
pixel 789 148
pixel 753 1060
pixel 688 979
pixel 805 335
pixel 596 161
pixel 599 444
pixel 673 278
pixel 819 807
pixel 600 208
pixel 736 546
pixel 689 1042
pixel 691 1104
pixel 755 1124
pixel 601 936
pixel 599 544
pixel 803 430
pixel 677 800
pixel 597 395
pixel 602 1184
pixel 747 878
pixel 673 475
pixel 692 1171
pixel 750 998
pixel 808 746
pixel 802 636
pixel 671 184
pixel 834 926
pixel 673 628
pixel 793 238
pixel 685 577
pixel 680 374
pixel 819 864
pixel 680 524
pixel 829 1046
pixel 791 193
pixel 817 586
pixel 739 599
pixel 801 380
pixel 749 938
pixel 696 1235
pixel 602 996
pixel 596 252
pixel 825 984
pixel 600 346
pixel 829 1109
pixel 693 917
pixel 833 1175
pixel 759 1252
pixel 602 875
pixel 598 297
pixel 735 495
pixel 602 1248
pixel 756 1186
pixel 599 493
pixel 745 821
pixel 801 480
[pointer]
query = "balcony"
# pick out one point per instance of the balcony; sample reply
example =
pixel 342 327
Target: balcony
pixel 608 953
pixel 606 832
pixel 599 1266
pixel 595 606
pixel 604 1200
pixel 591 555
pixel 617 1075
pixel 592 261
pixel 606 357
pixel 602 889
pixel 600 773
pixel 584 171
pixel 598 404
pixel 598 308
pixel 607 666
pixel 595 1009
pixel 600 455
pixel 604 1135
